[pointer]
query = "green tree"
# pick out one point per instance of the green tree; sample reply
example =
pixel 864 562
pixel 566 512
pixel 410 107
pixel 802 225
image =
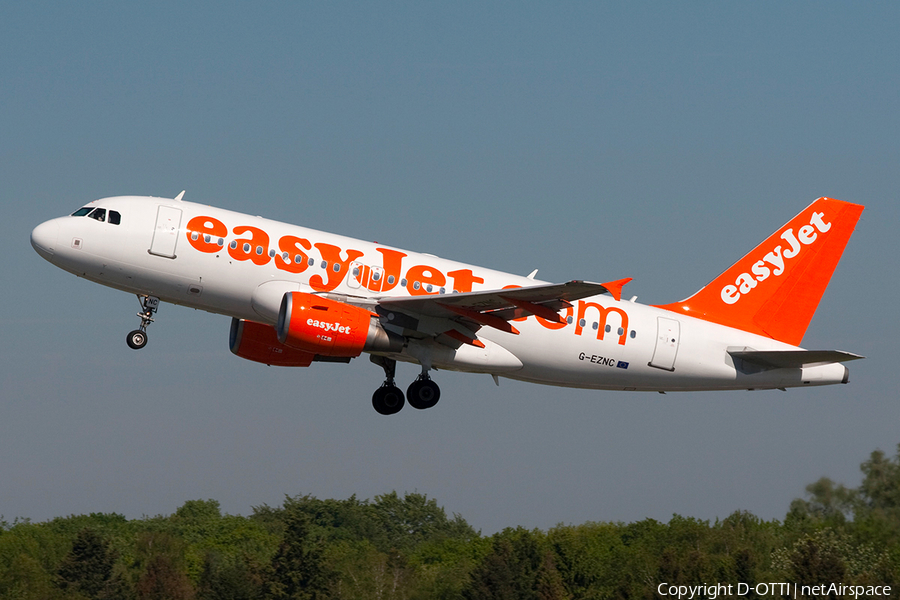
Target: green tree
pixel 512 568
pixel 298 570
pixel 229 578
pixel 88 567
pixel 161 564
pixel 877 506
pixel 25 578
pixel 414 519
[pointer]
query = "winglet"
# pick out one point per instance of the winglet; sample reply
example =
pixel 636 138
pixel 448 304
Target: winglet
pixel 615 287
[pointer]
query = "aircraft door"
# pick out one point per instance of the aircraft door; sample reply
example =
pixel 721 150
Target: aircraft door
pixel 667 337
pixel 357 275
pixel 165 234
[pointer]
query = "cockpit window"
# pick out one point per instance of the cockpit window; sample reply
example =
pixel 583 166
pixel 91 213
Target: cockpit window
pixel 99 214
pixel 114 217
pixel 82 211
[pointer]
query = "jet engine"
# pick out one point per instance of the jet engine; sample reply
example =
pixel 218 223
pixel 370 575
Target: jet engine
pixel 329 328
pixel 259 343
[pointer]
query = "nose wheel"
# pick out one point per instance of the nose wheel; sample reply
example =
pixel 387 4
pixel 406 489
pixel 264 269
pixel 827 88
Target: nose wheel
pixel 137 339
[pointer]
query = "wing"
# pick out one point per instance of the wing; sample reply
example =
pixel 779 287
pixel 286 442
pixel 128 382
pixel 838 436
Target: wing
pixel 459 316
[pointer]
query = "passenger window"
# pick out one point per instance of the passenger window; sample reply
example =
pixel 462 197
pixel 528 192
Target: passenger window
pixel 99 214
pixel 114 217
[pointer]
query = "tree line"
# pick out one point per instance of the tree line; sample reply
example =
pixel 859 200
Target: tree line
pixel 407 547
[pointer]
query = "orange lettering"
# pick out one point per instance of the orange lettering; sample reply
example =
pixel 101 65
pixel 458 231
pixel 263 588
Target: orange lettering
pixel 604 313
pixel 393 262
pixel 297 260
pixel 199 228
pixel 337 268
pixel 255 248
pixel 463 280
pixel 424 276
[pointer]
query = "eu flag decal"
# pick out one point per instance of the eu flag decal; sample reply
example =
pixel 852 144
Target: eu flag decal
pixel 622 364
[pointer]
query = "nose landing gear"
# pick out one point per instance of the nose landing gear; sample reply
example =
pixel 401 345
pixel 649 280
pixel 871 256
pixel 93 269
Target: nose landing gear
pixel 137 339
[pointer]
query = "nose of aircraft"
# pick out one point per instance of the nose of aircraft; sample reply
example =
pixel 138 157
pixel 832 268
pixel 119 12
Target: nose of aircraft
pixel 43 238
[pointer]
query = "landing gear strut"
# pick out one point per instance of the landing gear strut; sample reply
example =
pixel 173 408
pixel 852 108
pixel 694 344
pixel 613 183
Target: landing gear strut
pixel 388 399
pixel 137 339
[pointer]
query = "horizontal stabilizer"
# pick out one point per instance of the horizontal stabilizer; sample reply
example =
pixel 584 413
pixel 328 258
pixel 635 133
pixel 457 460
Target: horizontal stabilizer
pixel 792 359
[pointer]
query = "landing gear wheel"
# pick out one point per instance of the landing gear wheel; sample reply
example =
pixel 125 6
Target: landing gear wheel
pixel 423 393
pixel 387 400
pixel 137 339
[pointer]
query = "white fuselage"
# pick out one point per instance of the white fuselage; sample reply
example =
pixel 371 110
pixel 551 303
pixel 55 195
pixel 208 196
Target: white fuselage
pixel 240 271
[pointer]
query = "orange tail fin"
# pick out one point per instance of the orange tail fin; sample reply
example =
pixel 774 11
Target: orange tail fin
pixel 775 289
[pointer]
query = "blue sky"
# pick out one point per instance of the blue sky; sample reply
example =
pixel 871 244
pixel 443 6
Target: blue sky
pixel 659 141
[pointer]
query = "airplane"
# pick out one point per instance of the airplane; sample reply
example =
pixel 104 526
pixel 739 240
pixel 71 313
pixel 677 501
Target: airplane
pixel 298 296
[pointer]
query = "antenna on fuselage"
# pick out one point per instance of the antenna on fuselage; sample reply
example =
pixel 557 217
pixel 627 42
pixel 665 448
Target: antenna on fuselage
pixel 180 196
pixel 532 274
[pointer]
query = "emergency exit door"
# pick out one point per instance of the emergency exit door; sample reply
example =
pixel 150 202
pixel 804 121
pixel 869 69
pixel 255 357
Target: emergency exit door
pixel 165 234
pixel 668 332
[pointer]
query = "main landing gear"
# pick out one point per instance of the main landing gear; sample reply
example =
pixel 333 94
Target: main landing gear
pixel 388 399
pixel 137 339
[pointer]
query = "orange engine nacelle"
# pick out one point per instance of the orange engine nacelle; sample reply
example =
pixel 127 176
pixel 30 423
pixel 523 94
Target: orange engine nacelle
pixel 259 343
pixel 329 328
